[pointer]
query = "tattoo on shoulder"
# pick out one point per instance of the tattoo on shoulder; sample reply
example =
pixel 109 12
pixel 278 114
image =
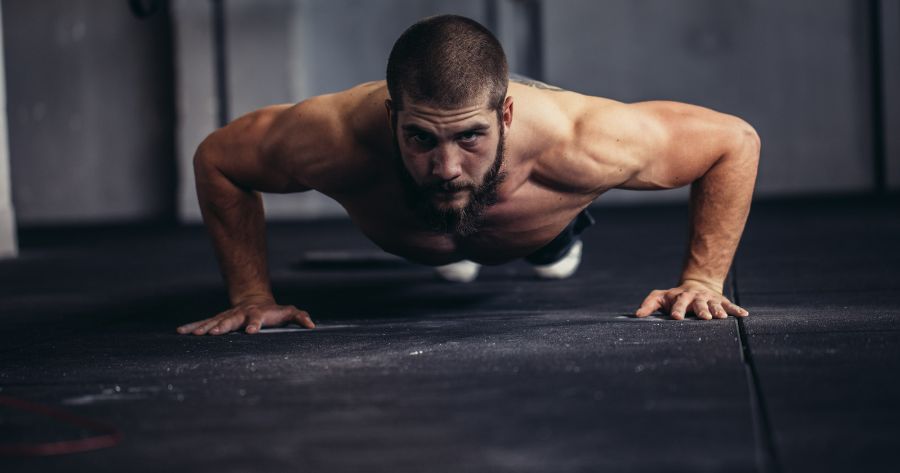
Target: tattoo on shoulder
pixel 537 84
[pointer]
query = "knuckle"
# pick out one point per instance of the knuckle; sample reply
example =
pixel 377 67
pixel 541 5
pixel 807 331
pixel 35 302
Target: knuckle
pixel 254 312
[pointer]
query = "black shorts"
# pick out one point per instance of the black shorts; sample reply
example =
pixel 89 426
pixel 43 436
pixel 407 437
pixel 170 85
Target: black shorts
pixel 556 249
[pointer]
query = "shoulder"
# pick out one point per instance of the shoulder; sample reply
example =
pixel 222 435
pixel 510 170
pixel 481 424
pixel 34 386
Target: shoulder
pixel 327 142
pixel 591 144
pixel 650 140
pixel 581 140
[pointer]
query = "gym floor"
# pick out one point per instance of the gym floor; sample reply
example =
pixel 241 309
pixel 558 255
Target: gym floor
pixel 408 373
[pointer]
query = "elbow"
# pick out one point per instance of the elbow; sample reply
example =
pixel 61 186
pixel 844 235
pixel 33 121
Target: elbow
pixel 206 164
pixel 746 155
pixel 747 144
pixel 755 142
pixel 205 155
pixel 750 138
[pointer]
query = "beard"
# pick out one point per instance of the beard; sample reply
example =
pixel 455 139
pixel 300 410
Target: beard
pixel 460 221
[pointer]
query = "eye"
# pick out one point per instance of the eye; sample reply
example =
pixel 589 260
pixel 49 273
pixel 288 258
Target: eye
pixel 423 139
pixel 469 136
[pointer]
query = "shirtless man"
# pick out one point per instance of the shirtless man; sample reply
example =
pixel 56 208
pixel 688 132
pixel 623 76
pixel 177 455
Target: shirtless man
pixel 449 161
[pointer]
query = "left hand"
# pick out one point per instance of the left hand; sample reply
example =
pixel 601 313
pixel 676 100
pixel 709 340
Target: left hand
pixel 694 298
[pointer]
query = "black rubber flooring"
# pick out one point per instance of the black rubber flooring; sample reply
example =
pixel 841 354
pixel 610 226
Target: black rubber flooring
pixel 407 373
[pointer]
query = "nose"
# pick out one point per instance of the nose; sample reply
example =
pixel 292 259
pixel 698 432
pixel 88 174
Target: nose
pixel 446 164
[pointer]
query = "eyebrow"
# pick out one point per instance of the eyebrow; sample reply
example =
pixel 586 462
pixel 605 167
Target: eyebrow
pixel 414 128
pixel 417 129
pixel 479 127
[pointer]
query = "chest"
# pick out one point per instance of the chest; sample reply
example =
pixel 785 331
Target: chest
pixel 513 228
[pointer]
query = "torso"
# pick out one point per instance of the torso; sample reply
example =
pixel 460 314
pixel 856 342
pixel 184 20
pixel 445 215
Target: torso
pixel 536 202
pixel 515 227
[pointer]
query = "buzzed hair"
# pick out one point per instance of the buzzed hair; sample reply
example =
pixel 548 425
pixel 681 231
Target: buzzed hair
pixel 447 61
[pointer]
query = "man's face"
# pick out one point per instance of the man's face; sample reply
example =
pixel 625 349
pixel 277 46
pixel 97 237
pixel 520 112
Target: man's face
pixel 451 161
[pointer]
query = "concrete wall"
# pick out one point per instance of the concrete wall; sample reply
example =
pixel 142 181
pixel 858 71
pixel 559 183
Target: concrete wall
pixel 284 51
pixel 890 57
pixel 195 95
pixel 90 87
pixel 8 245
pixel 90 111
pixel 796 70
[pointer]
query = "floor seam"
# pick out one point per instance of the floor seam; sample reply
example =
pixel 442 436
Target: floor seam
pixel 766 453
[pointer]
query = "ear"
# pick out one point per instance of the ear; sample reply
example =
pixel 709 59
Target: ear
pixel 508 111
pixel 389 107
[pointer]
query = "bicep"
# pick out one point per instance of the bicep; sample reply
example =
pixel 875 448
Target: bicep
pixel 673 144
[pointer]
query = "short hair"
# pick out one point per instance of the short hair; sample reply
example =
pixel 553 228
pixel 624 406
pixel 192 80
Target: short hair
pixel 447 61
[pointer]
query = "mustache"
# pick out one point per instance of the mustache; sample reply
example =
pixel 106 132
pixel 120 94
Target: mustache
pixel 444 186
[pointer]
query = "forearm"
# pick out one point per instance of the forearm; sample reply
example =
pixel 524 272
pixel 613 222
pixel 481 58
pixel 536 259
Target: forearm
pixel 235 221
pixel 719 206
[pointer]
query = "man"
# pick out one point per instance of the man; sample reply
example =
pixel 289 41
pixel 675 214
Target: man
pixel 447 162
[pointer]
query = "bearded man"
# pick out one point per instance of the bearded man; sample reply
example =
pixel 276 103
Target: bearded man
pixel 450 163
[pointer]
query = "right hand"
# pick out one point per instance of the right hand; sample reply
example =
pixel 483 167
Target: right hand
pixel 253 315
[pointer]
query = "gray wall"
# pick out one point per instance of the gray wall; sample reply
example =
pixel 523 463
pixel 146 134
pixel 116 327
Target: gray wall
pixel 798 71
pixel 194 94
pixel 8 245
pixel 284 51
pixel 90 111
pixel 90 87
pixel 890 56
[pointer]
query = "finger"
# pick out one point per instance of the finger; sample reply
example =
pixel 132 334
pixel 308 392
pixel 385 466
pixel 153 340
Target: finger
pixel 302 318
pixel 679 309
pixel 188 328
pixel 735 309
pixel 207 326
pixel 651 304
pixel 254 321
pixel 717 310
pixel 701 308
pixel 228 324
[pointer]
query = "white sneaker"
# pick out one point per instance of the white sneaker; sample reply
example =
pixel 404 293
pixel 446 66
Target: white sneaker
pixel 563 268
pixel 461 271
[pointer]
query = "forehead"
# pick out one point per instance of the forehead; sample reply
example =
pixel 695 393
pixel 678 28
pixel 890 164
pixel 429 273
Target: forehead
pixel 429 116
